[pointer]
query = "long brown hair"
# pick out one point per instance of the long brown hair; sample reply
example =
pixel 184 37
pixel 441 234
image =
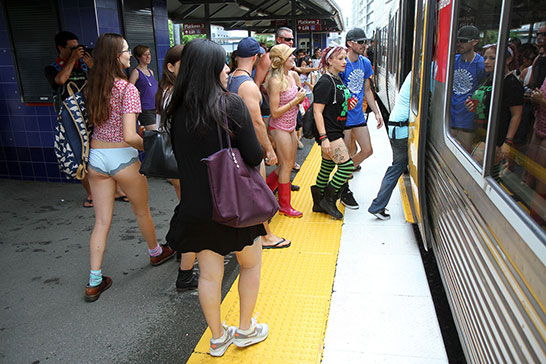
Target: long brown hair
pixel 173 55
pixel 101 77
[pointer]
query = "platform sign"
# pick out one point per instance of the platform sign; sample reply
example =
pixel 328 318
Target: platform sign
pixel 194 28
pixel 279 23
pixel 309 25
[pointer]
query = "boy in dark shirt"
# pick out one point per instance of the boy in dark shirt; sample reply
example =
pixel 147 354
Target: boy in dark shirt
pixel 71 66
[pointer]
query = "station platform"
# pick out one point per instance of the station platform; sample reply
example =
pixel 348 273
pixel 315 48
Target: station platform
pixel 346 291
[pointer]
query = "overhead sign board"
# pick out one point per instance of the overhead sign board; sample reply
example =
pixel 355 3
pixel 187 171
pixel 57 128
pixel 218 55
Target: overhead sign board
pixel 194 28
pixel 308 25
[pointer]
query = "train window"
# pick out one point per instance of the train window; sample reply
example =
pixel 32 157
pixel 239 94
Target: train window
pixel 520 128
pixel 477 26
pixel 516 110
pixel 418 55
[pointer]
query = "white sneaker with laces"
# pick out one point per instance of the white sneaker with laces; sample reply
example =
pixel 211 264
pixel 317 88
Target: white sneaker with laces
pixel 258 334
pixel 219 346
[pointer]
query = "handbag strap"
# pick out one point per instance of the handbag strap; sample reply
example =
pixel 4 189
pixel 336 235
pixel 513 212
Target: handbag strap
pixel 224 112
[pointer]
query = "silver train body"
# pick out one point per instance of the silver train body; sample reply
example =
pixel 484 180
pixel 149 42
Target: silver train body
pixel 491 254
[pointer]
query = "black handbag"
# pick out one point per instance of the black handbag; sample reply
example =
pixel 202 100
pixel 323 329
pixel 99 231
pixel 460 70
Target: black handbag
pixel 159 160
pixel 308 123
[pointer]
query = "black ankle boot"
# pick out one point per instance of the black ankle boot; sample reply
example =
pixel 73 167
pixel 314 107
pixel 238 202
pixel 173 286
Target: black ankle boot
pixel 186 280
pixel 328 202
pixel 317 196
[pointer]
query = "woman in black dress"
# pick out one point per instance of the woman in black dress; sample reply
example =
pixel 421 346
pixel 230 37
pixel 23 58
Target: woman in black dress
pixel 193 117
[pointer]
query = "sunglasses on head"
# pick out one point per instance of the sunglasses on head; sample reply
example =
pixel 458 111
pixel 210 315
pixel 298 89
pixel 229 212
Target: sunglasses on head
pixel 288 39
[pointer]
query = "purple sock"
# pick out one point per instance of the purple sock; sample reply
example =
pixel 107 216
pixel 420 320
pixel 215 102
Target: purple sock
pixel 156 251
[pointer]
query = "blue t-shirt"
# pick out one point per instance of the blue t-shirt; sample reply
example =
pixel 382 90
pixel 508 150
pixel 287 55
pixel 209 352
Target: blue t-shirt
pixel 353 77
pixel 400 111
pixel 466 78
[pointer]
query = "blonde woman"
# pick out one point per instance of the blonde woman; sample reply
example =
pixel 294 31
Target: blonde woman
pixel 285 94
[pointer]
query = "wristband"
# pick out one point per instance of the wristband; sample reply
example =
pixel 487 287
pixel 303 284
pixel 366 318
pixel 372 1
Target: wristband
pixel 322 137
pixel 509 141
pixel 322 134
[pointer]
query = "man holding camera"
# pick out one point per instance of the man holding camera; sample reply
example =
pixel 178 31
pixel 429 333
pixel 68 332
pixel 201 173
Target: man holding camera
pixel 70 67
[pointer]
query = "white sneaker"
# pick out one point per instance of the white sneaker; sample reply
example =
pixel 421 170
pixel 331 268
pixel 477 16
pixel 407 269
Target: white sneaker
pixel 219 346
pixel 258 334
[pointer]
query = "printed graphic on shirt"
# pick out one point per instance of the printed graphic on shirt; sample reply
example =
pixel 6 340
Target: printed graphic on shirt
pixel 345 105
pixel 356 81
pixel 463 81
pixel 481 95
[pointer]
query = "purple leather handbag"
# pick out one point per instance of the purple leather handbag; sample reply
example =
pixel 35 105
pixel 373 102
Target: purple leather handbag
pixel 240 196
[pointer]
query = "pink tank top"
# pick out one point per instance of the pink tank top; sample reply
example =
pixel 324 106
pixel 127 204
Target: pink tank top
pixel 540 116
pixel 287 121
pixel 125 99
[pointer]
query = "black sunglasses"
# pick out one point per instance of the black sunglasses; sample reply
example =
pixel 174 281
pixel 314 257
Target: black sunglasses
pixel 359 41
pixel 463 40
pixel 541 33
pixel 288 39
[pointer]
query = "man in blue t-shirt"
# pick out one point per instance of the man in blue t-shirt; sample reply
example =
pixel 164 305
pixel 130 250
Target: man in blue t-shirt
pixel 468 72
pixel 357 79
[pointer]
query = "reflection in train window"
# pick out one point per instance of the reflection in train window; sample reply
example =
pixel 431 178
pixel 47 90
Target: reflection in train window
pixel 417 56
pixel 518 130
pixel 520 158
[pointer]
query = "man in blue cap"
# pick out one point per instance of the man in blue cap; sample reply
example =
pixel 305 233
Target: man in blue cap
pixel 241 82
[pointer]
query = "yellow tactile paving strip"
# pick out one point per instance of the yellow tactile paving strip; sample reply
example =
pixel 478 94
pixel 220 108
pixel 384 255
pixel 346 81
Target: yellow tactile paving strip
pixel 296 286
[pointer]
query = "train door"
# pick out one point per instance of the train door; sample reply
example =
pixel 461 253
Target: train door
pixel 424 13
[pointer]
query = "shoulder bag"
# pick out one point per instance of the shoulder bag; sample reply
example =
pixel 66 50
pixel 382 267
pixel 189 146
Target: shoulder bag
pixel 240 196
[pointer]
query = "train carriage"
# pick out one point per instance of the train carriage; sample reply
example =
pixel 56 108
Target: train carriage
pixel 480 207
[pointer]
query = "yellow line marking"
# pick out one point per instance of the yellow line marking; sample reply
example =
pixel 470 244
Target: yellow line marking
pixel 295 288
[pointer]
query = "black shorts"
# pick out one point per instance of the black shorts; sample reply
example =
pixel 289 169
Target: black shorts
pixel 349 127
pixel 147 117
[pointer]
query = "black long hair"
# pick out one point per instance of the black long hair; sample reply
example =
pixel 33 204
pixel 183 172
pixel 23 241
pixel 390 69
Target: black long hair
pixel 197 89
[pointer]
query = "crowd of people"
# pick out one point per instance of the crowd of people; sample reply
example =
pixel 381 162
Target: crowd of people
pixel 521 111
pixel 263 99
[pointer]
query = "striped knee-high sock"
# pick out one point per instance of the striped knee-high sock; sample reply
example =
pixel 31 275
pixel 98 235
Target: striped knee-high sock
pixel 326 168
pixel 343 172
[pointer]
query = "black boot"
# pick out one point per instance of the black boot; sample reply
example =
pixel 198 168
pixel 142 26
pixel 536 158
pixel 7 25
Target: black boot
pixel 328 202
pixel 317 196
pixel 186 280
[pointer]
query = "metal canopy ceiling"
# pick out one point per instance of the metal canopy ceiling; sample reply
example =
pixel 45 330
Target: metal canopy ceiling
pixel 262 16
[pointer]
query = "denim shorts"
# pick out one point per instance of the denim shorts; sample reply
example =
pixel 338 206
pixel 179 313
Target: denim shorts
pixel 110 161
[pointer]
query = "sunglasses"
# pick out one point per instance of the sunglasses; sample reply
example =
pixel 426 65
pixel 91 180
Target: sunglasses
pixel 463 40
pixel 359 41
pixel 541 33
pixel 288 39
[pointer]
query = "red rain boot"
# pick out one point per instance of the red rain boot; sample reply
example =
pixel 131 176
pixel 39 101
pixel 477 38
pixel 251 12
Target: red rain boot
pixel 284 202
pixel 272 181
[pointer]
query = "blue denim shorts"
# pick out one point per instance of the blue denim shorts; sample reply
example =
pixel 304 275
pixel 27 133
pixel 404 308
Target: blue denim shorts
pixel 110 161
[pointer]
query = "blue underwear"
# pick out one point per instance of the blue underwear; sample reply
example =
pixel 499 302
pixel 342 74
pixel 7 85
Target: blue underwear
pixel 110 161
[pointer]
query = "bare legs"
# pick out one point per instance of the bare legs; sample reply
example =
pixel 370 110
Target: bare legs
pixel 210 283
pixel 362 137
pixel 103 188
pixel 286 145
